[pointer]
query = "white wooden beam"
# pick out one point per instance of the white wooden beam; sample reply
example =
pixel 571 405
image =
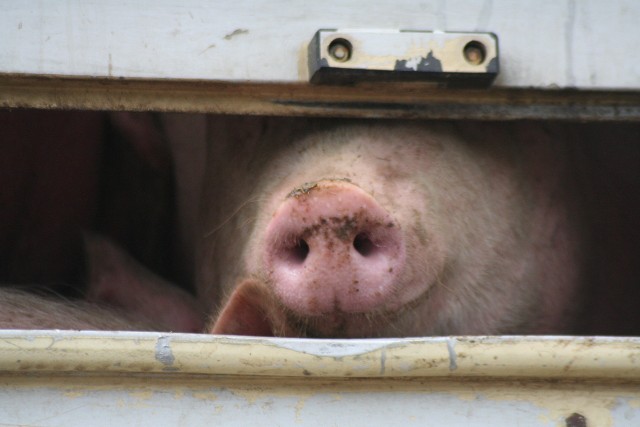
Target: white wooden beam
pixel 586 44
pixel 558 58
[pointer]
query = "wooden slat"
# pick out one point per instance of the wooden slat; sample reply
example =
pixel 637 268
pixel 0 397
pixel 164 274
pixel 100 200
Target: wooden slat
pixel 562 59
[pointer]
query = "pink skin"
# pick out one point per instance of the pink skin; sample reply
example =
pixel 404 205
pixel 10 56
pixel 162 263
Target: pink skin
pixel 331 247
pixel 324 298
pixel 483 239
pixel 408 229
pixel 117 280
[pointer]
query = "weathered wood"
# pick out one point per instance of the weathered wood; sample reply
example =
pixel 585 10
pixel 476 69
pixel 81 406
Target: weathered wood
pixel 52 378
pixel 560 59
pixel 397 100
pixel 586 44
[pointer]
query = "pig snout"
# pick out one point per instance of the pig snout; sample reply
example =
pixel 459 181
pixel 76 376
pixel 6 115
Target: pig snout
pixel 331 248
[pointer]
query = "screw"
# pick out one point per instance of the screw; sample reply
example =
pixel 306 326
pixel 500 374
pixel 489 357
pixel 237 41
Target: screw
pixel 474 52
pixel 340 50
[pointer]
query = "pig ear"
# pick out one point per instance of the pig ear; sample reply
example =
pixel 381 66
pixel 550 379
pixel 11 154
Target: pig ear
pixel 117 280
pixel 251 310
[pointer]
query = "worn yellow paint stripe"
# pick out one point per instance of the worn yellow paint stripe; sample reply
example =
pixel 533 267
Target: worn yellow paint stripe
pixel 500 357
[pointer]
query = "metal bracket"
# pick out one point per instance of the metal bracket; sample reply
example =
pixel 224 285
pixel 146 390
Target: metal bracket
pixel 451 59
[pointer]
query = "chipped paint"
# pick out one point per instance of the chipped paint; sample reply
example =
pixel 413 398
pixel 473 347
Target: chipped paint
pixel 217 378
pixel 142 395
pixel 419 51
pixel 451 346
pixel 355 402
pixel 205 395
pixel 535 357
pixel 236 32
pixel 556 405
pixel 298 408
pixel 75 38
pixel 163 351
pixel 73 394
pixel 547 378
pixel 419 63
pixel 177 399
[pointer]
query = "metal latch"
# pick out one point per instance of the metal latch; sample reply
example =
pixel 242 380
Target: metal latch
pixel 452 59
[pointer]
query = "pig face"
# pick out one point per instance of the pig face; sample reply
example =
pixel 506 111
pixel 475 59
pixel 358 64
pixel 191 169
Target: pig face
pixel 391 229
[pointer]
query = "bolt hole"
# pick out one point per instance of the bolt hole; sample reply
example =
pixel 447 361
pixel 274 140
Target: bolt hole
pixel 363 245
pixel 576 420
pixel 340 50
pixel 474 53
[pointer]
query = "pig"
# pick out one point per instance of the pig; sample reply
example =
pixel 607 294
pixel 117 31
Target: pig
pixel 49 179
pixel 116 280
pixel 66 172
pixel 66 176
pixel 121 294
pixel 21 309
pixel 354 229
pixel 341 228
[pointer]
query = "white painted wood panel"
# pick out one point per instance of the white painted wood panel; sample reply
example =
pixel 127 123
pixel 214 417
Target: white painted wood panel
pixel 65 378
pixel 588 44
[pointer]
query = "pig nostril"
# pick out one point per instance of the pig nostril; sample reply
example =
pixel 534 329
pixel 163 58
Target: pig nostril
pixel 363 244
pixel 329 252
pixel 298 253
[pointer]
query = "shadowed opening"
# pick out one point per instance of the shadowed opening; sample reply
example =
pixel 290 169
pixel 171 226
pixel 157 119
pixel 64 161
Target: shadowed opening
pixel 363 244
pixel 297 253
